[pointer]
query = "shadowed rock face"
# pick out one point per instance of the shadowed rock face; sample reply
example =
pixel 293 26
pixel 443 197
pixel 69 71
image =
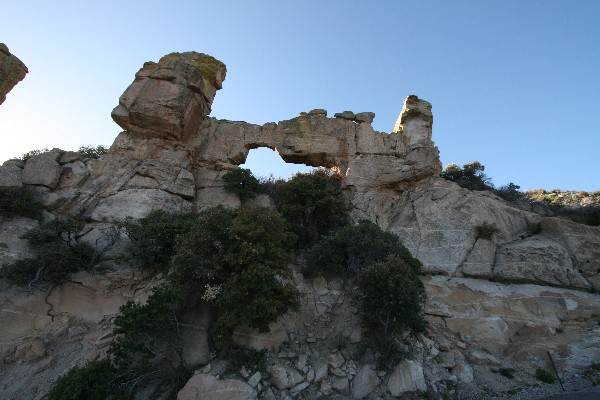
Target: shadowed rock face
pixel 172 156
pixel 12 71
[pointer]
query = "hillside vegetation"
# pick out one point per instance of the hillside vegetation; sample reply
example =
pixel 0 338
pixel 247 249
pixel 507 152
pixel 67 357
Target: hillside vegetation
pixel 236 262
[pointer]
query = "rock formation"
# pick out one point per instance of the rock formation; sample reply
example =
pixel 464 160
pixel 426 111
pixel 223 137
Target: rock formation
pixel 12 71
pixel 494 302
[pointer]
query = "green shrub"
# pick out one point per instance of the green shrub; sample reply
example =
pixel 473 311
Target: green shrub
pixel 544 375
pixel 58 254
pixel 148 334
pixel 391 300
pixel 236 259
pixel 507 372
pixel 254 297
pixel 352 247
pixel 243 183
pixel 153 237
pixel 199 256
pixel 32 153
pixel 312 203
pixel 19 202
pixel 240 357
pixel 470 176
pixel 486 230
pixel 94 381
pixel 93 152
pixel 509 192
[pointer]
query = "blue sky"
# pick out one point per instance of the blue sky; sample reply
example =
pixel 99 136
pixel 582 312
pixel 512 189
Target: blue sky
pixel 514 84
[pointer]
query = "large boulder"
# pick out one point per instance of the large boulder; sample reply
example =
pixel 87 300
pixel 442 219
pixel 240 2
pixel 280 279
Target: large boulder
pixel 407 378
pixel 10 173
pixel 284 376
pixel 207 387
pixel 43 169
pixel 12 71
pixel 581 241
pixel 365 381
pixel 170 98
pixel 522 321
pixel 537 260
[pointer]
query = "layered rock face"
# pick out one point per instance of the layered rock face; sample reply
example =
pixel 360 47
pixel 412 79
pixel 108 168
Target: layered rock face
pixel 498 300
pixel 12 71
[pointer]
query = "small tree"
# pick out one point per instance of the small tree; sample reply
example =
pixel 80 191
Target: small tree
pixel 242 182
pixel 253 297
pixel 199 256
pixel 149 334
pixel 29 154
pixel 94 381
pixel 471 176
pixel 59 253
pixel 391 300
pixel 312 203
pixel 236 260
pixel 510 192
pixel 153 237
pixel 19 202
pixel 352 247
pixel 93 152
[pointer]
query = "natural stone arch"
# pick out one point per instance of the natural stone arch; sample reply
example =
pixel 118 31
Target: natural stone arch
pixel 265 162
pixel 173 155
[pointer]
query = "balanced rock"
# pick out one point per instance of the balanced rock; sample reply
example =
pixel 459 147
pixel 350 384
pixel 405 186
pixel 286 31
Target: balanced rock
pixel 318 111
pixel 12 71
pixel 170 98
pixel 349 115
pixel 367 117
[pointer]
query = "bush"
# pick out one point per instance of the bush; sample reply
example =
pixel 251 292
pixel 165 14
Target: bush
pixel 509 192
pixel 93 152
pixel 199 254
pixel 544 375
pixel 486 230
pixel 32 153
pixel 391 300
pixel 507 372
pixel 236 259
pixel 58 254
pixel 94 381
pixel 148 334
pixel 19 202
pixel 312 203
pixel 254 297
pixel 352 247
pixel 243 183
pixel 153 237
pixel 470 176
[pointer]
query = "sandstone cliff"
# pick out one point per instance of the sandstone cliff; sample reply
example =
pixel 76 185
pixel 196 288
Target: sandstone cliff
pixel 12 71
pixel 501 301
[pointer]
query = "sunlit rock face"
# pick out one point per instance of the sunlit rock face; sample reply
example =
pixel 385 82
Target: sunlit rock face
pixel 12 71
pixel 172 155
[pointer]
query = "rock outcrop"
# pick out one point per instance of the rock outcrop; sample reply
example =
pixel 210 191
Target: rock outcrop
pixel 12 71
pixel 501 300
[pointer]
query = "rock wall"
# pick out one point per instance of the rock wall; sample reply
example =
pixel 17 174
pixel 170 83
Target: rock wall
pixel 12 71
pixel 497 301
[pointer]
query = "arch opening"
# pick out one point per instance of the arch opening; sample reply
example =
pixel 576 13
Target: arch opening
pixel 264 162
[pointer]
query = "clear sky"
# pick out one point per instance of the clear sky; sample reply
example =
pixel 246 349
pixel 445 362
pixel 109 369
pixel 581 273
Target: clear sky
pixel 514 84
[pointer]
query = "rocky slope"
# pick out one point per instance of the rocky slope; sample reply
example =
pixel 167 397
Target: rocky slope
pixel 500 301
pixel 12 71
